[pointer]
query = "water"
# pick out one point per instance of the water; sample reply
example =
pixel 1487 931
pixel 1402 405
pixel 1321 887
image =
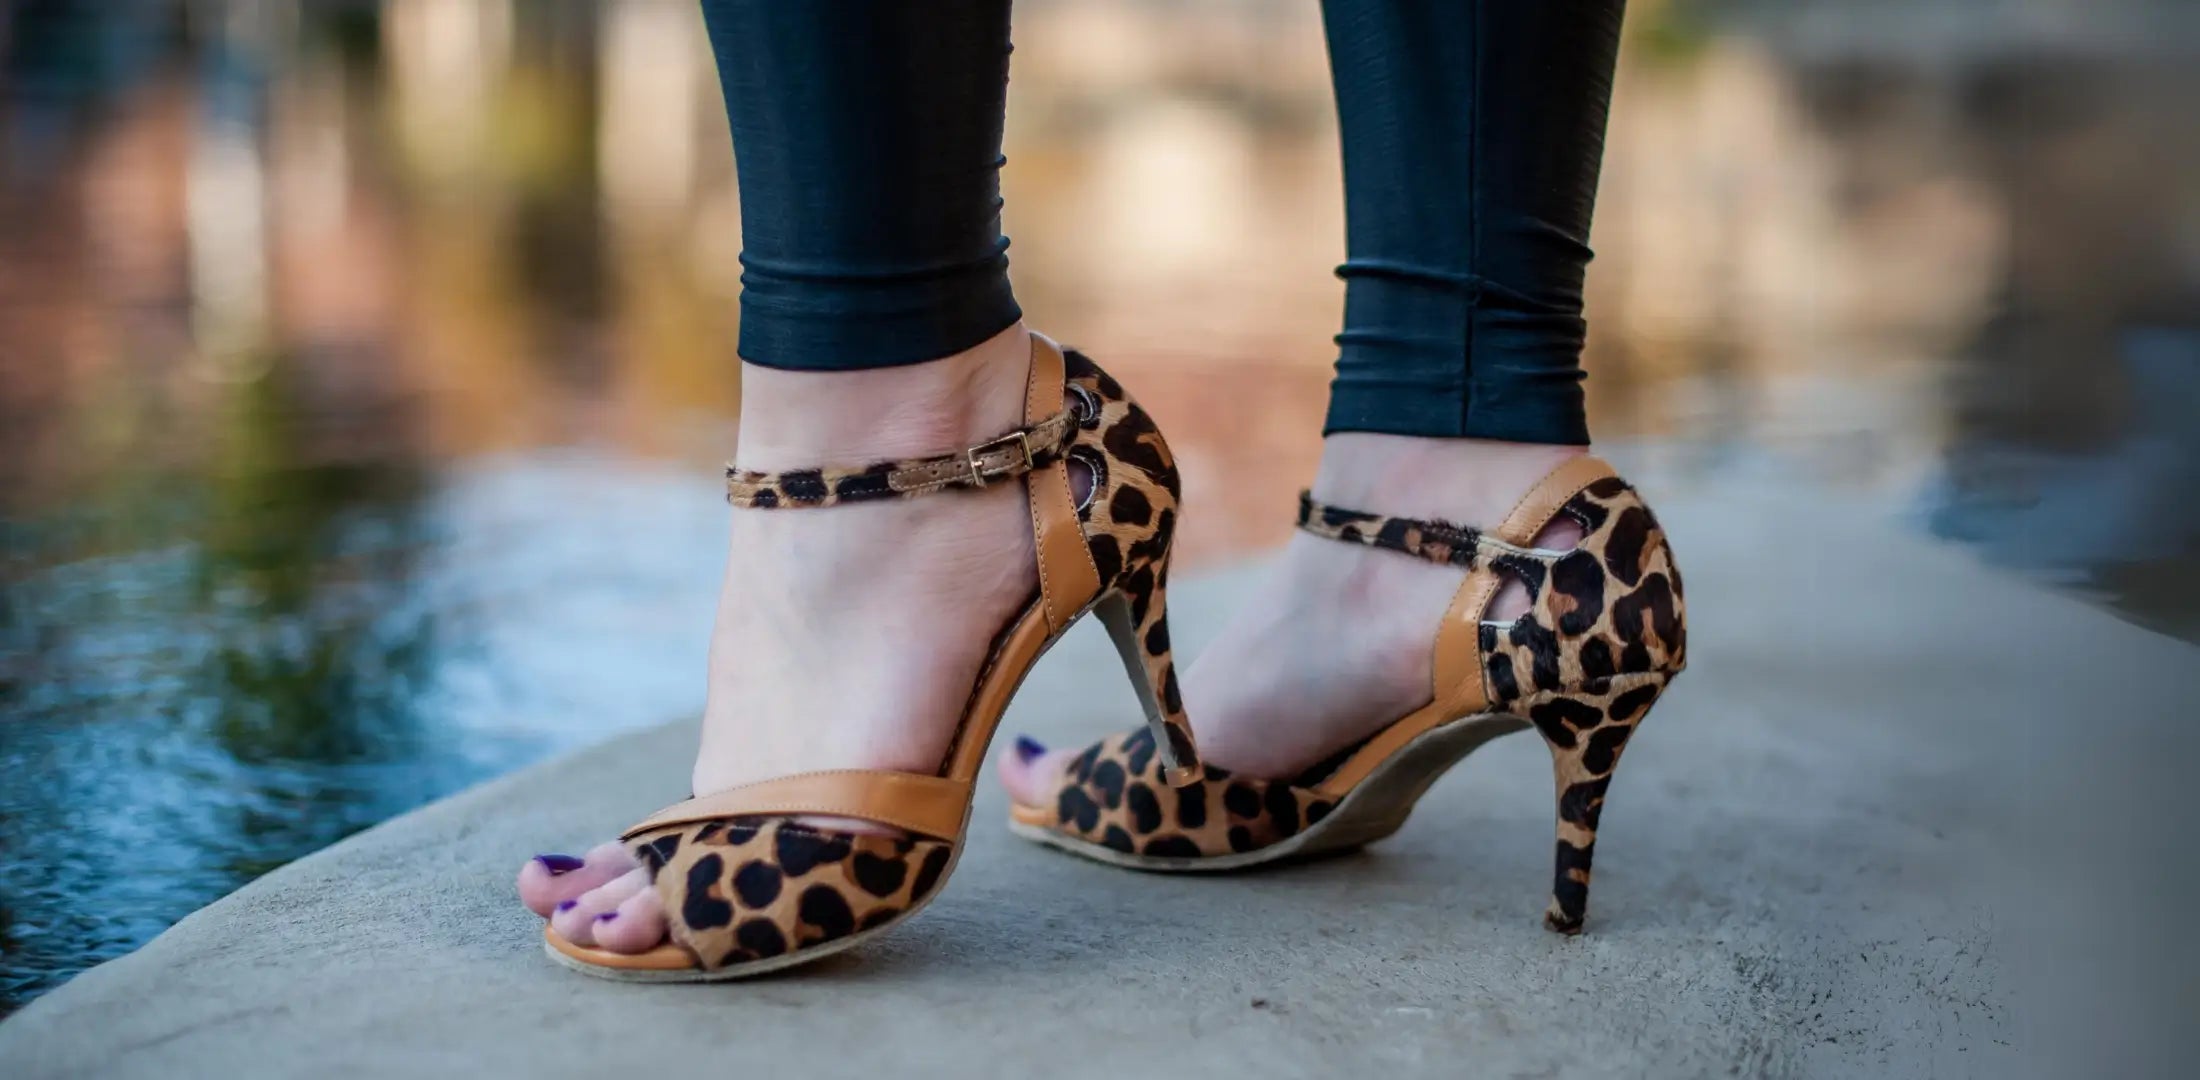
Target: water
pixel 364 368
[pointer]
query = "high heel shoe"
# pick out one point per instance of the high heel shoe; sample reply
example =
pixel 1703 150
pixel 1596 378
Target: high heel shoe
pixel 747 886
pixel 1603 637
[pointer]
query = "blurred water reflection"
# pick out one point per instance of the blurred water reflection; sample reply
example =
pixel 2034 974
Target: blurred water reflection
pixel 363 367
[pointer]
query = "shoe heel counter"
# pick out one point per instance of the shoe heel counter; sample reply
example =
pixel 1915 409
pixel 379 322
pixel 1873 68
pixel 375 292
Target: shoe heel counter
pixel 1659 616
pixel 1130 505
pixel 1619 589
pixel 1612 606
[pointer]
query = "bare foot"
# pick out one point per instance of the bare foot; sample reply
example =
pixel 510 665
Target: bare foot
pixel 847 637
pixel 1337 645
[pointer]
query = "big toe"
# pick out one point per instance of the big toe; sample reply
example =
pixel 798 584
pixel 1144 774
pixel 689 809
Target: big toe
pixel 1033 774
pixel 546 881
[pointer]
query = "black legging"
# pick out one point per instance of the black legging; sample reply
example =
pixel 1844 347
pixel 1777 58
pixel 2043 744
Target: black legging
pixel 868 139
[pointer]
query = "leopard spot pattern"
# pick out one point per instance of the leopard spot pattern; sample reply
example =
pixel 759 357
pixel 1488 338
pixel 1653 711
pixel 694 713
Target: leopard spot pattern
pixel 1217 814
pixel 755 889
pixel 1611 607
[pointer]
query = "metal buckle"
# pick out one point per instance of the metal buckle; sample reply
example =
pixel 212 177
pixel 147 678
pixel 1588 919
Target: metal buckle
pixel 1017 439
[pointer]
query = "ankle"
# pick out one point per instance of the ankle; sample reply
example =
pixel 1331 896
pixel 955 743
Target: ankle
pixel 1468 481
pixel 804 419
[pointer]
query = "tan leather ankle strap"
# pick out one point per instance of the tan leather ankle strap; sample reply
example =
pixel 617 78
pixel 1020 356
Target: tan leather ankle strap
pixel 1009 456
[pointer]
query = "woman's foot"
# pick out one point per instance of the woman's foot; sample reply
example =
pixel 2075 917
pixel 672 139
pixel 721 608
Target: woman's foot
pixel 1337 645
pixel 846 638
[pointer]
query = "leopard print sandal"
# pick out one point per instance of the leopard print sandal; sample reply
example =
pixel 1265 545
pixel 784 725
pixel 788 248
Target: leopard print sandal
pixel 747 887
pixel 1604 635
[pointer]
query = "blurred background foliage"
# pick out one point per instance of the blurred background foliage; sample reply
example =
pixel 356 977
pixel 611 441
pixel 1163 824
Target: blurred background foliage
pixel 364 366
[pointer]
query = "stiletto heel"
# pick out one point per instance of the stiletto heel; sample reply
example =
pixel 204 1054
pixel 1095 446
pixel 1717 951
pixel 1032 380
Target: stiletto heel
pixel 1604 634
pixel 1138 622
pixel 747 885
pixel 1586 730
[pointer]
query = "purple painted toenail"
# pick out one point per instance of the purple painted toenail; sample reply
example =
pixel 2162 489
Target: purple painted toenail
pixel 568 905
pixel 607 916
pixel 559 864
pixel 1028 748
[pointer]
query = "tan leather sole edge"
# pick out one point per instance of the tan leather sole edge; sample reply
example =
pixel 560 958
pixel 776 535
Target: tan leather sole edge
pixel 1375 807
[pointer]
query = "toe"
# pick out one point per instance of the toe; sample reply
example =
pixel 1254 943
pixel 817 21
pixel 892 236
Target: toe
pixel 546 881
pixel 1032 773
pixel 575 919
pixel 636 925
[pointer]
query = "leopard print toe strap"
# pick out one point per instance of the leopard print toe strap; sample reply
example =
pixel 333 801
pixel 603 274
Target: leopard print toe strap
pixel 1118 794
pixel 1003 458
pixel 741 891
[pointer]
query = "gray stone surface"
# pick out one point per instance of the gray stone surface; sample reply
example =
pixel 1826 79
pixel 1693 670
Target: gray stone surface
pixel 1904 816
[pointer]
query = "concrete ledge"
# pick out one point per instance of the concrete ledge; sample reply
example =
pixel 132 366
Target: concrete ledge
pixel 1858 838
